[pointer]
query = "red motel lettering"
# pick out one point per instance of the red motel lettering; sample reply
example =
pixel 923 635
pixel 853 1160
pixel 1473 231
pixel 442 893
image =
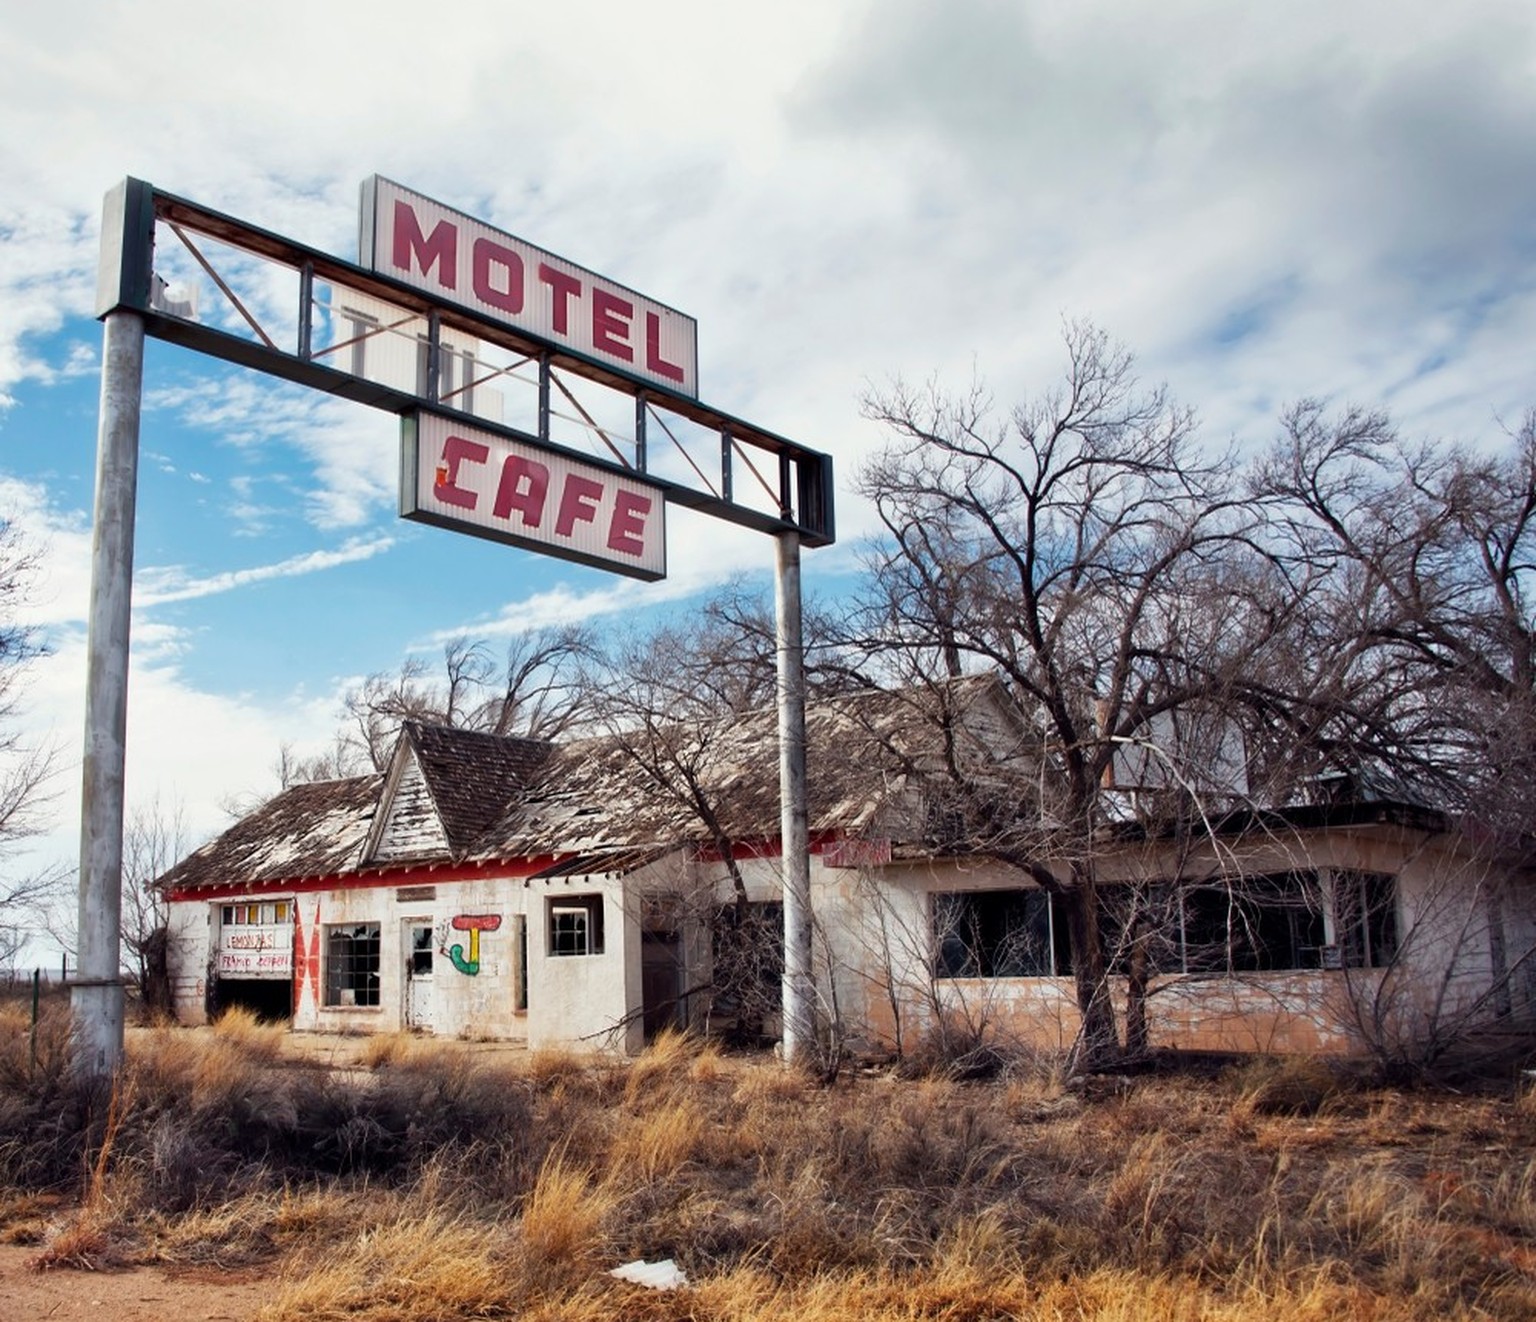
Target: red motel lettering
pixel 509 282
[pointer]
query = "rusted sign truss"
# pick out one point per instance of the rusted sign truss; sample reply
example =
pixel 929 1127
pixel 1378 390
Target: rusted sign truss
pixel 308 317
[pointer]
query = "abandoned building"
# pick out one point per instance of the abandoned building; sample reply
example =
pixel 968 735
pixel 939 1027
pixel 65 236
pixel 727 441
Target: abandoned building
pixel 595 891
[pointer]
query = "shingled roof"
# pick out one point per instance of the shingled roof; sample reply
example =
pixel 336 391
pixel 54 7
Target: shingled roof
pixel 314 830
pixel 472 775
pixel 862 750
pixel 500 798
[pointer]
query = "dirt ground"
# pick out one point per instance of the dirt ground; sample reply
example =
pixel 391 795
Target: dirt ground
pixel 136 1295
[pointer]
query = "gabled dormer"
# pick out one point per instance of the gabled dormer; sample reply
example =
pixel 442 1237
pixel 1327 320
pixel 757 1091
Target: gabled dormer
pixel 444 787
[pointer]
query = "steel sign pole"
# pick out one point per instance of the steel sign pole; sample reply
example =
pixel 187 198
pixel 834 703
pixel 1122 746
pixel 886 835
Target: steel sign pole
pixel 798 988
pixel 97 997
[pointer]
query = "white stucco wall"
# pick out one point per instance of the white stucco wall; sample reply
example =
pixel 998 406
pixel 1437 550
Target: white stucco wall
pixel 591 1000
pixel 873 954
pixel 579 1001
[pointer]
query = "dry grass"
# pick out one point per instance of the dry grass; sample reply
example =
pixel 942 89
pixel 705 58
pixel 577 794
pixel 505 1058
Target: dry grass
pixel 381 1049
pixel 415 1267
pixel 437 1186
pixel 665 1065
pixel 256 1039
pixel 549 1066
pixel 656 1143
pixel 1283 1085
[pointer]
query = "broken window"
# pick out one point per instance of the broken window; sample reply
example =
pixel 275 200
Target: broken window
pixel 1254 924
pixel 576 925
pixel 1365 919
pixel 352 964
pixel 994 934
pixel 423 947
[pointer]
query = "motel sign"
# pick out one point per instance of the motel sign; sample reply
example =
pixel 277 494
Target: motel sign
pixel 459 260
pixel 508 367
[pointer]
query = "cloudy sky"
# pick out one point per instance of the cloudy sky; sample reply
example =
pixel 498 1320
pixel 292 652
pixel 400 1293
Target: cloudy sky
pixel 1263 201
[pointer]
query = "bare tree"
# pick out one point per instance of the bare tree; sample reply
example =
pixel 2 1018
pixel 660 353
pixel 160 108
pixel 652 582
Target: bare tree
pixel 535 691
pixel 1420 683
pixel 1085 549
pixel 1422 659
pixel 26 771
pixel 153 840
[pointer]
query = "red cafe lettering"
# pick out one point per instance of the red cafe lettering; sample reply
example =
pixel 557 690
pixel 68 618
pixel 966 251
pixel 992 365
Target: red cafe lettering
pixel 462 260
pixel 481 482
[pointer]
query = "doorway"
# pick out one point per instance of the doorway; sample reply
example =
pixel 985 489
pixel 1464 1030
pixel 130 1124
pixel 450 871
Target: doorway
pixel 420 955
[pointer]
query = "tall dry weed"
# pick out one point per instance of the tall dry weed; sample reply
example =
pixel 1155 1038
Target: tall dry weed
pixel 655 1143
pixel 33 1054
pixel 251 1228
pixel 562 1224
pixel 257 1039
pixel 1394 1233
pixel 811 1232
pixel 662 1068
pixel 423 1268
pixel 871 1198
pixel 381 1049
pixel 1281 1085
pixel 770 1085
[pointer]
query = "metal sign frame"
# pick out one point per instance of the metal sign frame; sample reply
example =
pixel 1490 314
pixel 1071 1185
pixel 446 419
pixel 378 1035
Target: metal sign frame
pixel 800 479
pixel 132 303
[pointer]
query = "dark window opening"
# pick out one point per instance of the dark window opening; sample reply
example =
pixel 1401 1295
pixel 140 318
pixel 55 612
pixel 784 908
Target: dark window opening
pixel 747 952
pixel 576 925
pixel 269 999
pixel 422 950
pixel 352 964
pixel 520 992
pixel 1365 918
pixel 1257 924
pixel 1139 925
pixel 993 934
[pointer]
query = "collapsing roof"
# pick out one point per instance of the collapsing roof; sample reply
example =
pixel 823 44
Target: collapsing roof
pixel 314 830
pixel 465 797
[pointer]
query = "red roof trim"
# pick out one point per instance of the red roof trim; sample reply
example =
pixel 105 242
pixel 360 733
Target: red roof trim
pixel 419 874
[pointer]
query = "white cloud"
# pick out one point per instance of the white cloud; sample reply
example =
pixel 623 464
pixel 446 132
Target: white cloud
pixel 191 750
pixel 348 455
pixel 61 543
pixel 159 585
pixel 1264 201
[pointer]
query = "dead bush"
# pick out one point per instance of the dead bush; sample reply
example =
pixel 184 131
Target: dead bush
pixel 1282 1085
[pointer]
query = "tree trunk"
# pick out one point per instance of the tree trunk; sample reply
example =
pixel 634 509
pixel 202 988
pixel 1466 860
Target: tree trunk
pixel 1098 1041
pixel 1137 1041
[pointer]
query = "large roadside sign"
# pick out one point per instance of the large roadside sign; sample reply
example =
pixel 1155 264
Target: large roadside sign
pixel 444 312
pixel 489 485
pixel 463 261
pixel 473 338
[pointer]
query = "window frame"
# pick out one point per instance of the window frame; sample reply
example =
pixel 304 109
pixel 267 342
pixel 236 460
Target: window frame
pixel 1363 907
pixel 981 933
pixel 351 966
pixel 1275 923
pixel 589 908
